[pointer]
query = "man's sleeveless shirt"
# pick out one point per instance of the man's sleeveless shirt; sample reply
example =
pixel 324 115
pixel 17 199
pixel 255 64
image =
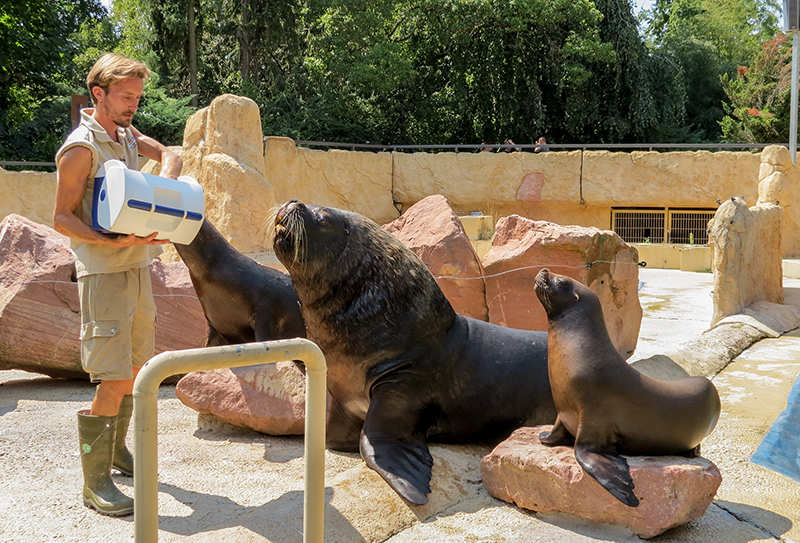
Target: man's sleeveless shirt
pixel 91 258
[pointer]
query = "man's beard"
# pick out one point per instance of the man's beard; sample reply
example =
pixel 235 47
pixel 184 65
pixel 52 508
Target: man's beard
pixel 123 121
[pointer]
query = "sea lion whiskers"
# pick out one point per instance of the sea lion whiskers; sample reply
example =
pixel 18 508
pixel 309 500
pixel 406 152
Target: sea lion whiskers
pixel 297 229
pixel 269 223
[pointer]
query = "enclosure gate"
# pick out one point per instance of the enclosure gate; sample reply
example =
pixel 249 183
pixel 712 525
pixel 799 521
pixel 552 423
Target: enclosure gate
pixel 662 224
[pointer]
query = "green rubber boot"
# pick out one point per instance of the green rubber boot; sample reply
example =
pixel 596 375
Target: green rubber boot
pixel 123 459
pixel 96 436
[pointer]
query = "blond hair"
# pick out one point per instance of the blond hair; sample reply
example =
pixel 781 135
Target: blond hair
pixel 111 68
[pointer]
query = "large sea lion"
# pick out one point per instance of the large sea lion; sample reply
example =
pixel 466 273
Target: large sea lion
pixel 403 367
pixel 606 407
pixel 243 301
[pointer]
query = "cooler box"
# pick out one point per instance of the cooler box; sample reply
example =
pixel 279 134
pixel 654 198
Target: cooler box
pixel 131 202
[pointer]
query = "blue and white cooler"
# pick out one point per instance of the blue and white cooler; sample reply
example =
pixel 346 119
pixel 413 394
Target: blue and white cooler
pixel 132 202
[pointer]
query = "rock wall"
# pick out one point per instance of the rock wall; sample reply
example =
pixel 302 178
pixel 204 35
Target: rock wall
pixel 358 181
pixel 684 178
pixel 30 194
pixel 478 181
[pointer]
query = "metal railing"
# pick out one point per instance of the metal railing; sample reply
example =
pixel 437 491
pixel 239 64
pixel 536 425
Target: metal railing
pixel 145 412
pixel 498 147
pixel 475 147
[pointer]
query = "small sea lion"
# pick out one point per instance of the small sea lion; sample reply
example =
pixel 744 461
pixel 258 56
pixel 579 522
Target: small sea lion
pixel 243 301
pixel 403 367
pixel 607 408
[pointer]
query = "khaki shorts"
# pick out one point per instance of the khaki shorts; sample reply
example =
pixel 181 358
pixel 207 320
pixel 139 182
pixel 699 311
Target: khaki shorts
pixel 118 318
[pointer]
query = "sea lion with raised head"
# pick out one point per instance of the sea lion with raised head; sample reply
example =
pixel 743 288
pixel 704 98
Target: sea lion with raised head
pixel 606 407
pixel 403 367
pixel 243 301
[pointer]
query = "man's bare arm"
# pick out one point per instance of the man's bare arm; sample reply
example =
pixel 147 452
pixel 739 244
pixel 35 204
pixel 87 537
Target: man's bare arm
pixel 73 171
pixel 171 162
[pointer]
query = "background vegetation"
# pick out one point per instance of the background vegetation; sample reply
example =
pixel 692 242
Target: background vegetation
pixel 411 71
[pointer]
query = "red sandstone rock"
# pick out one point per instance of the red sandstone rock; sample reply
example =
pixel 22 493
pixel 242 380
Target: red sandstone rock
pixel 40 311
pixel 433 231
pixel 532 245
pixel 672 490
pixel 269 398
pixel 181 323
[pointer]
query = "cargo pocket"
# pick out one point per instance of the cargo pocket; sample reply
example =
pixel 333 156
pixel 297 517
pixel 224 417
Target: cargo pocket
pixel 102 351
pixel 99 329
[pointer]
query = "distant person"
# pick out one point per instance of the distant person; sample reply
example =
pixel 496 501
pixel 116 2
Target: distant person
pixel 509 141
pixel 486 148
pixel 541 145
pixel 118 315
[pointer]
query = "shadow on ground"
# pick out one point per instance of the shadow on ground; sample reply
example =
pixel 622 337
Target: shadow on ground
pixel 42 389
pixel 278 520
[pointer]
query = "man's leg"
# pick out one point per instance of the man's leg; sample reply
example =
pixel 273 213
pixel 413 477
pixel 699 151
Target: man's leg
pixel 106 355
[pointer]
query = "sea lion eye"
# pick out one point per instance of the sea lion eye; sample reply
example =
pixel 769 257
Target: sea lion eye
pixel 322 219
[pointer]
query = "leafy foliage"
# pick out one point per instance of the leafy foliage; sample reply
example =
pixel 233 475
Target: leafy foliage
pixel 405 71
pixel 707 39
pixel 759 96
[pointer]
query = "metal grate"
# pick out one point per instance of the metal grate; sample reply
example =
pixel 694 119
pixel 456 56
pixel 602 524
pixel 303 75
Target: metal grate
pixel 639 225
pixel 689 225
pixel 660 225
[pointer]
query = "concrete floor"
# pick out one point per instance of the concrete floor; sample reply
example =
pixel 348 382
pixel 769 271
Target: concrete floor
pixel 226 484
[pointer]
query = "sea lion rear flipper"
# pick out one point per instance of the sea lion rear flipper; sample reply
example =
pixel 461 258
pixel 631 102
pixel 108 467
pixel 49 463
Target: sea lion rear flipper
pixel 612 472
pixel 558 435
pixel 390 446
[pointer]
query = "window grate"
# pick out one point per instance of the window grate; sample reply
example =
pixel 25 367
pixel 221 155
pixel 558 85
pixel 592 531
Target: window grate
pixel 639 226
pixel 660 225
pixel 689 226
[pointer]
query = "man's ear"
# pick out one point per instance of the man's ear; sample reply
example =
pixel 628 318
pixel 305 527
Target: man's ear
pixel 98 92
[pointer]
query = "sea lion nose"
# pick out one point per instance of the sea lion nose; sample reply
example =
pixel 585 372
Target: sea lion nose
pixel 544 274
pixel 287 207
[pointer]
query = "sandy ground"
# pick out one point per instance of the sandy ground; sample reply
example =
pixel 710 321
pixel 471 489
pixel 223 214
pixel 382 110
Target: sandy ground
pixel 219 483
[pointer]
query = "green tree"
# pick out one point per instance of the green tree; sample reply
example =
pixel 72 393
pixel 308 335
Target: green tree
pixel 40 42
pixel 759 96
pixel 706 39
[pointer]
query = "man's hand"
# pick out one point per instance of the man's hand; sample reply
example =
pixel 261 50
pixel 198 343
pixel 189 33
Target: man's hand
pixel 131 239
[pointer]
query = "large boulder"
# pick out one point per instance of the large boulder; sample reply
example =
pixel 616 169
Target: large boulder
pixel 40 311
pixel 434 232
pixel 223 150
pixel 747 263
pixel 598 258
pixel 268 398
pixel 672 490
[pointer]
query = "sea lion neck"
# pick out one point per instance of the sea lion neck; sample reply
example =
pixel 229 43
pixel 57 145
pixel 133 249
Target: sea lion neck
pixel 207 251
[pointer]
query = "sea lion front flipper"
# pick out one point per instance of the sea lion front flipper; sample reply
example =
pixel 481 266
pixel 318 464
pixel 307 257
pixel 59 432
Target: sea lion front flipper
pixel 558 435
pixel 343 429
pixel 612 472
pixel 390 446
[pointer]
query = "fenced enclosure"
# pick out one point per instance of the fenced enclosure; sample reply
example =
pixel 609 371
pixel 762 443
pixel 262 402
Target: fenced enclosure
pixel 662 225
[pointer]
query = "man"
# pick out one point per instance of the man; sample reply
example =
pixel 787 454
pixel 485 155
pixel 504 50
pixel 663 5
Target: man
pixel 117 307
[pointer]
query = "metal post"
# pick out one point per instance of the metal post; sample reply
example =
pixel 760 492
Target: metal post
pixel 793 114
pixel 145 396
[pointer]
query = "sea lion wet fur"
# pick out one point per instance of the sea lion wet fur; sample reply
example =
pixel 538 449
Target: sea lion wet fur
pixel 606 407
pixel 403 367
